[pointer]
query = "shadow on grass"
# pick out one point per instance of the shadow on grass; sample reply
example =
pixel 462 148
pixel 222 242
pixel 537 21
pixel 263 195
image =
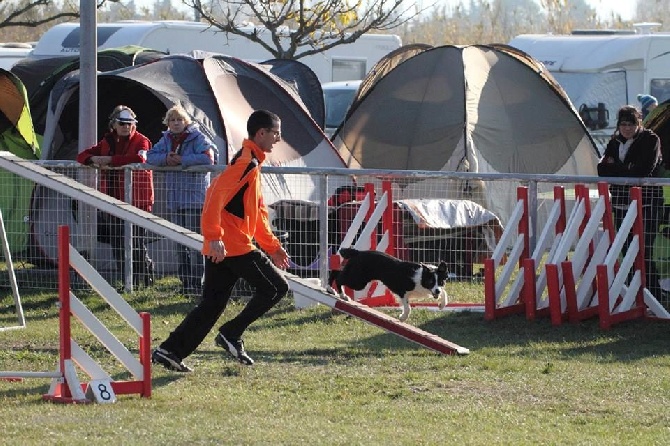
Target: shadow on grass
pixel 165 380
pixel 627 341
pixel 40 389
pixel 35 391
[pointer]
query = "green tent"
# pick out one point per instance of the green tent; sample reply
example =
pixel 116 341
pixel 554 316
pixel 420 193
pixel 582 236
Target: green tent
pixel 17 136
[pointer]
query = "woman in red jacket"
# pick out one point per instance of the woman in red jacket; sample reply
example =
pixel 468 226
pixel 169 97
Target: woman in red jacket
pixel 122 145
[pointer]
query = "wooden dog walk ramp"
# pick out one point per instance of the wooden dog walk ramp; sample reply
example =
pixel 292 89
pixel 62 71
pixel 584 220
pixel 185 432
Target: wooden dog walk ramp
pixel 374 317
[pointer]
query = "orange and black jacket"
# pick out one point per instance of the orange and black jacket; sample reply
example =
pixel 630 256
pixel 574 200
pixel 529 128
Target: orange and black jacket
pixel 234 211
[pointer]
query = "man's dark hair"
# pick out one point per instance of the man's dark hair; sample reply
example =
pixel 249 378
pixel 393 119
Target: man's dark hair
pixel 261 119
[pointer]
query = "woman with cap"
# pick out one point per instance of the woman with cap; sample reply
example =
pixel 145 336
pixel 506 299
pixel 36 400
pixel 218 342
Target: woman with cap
pixel 647 103
pixel 635 151
pixel 122 145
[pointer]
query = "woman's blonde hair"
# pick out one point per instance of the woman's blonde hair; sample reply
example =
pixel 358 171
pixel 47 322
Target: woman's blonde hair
pixel 179 111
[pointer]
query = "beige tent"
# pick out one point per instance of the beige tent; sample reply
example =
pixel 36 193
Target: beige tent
pixel 486 109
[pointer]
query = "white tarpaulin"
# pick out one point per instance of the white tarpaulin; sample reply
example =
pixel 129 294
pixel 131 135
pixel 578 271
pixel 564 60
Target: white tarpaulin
pixel 448 214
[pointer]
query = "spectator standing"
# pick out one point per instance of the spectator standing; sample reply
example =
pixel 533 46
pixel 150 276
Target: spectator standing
pixel 647 104
pixel 184 145
pixel 635 151
pixel 122 145
pixel 233 216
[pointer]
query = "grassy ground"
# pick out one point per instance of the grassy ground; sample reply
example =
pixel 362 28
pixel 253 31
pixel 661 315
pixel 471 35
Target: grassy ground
pixel 323 378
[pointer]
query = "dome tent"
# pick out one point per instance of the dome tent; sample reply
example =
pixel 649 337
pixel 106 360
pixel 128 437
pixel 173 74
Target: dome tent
pixel 478 108
pixel 219 93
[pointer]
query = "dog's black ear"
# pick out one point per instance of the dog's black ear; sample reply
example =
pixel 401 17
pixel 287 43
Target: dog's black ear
pixel 442 267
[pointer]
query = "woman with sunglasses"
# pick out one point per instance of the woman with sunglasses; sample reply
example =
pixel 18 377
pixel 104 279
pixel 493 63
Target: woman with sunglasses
pixel 635 151
pixel 122 145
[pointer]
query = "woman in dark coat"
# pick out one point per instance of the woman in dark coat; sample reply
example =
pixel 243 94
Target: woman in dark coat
pixel 635 151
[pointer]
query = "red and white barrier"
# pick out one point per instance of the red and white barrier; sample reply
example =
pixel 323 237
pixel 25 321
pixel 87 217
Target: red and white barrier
pixel 368 217
pixel 563 271
pixel 618 302
pixel 592 282
pixel 581 273
pixel 536 302
pixel 497 304
pixel 65 386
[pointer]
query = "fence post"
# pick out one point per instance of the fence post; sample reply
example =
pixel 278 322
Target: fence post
pixel 323 230
pixel 127 273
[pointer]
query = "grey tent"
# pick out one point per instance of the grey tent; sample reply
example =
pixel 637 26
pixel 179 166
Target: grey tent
pixel 485 109
pixel 388 63
pixel 219 93
pixel 305 83
pixel 40 75
pixel 297 77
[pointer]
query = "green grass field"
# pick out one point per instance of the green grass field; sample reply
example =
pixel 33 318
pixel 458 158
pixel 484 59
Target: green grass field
pixel 323 378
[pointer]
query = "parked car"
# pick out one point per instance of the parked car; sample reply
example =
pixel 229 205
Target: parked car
pixel 337 97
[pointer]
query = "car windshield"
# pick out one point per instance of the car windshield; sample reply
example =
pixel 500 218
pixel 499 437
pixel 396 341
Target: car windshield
pixel 337 103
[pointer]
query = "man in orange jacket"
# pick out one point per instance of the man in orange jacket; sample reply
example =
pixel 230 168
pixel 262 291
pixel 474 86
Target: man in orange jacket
pixel 234 215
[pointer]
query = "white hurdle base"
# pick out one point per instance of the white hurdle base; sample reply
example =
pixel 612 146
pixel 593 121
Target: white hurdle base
pixel 654 306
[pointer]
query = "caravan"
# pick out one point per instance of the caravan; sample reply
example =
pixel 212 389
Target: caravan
pixel 10 53
pixel 601 70
pixel 343 62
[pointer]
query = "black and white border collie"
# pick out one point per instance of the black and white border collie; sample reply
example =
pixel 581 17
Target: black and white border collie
pixel 404 279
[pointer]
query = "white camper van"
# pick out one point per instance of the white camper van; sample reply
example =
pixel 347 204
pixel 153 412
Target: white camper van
pixel 10 53
pixel 343 62
pixel 602 70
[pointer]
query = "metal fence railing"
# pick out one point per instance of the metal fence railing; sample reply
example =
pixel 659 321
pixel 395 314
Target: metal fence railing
pixel 456 217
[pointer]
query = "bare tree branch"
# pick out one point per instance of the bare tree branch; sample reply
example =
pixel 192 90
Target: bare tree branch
pixel 293 29
pixel 34 13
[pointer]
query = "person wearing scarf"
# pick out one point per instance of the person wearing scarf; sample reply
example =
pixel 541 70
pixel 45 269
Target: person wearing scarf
pixel 635 151
pixel 181 146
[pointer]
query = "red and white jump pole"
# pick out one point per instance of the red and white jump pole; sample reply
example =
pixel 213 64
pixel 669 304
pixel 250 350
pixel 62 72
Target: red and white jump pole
pixel 616 301
pixel 65 386
pixel 496 304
